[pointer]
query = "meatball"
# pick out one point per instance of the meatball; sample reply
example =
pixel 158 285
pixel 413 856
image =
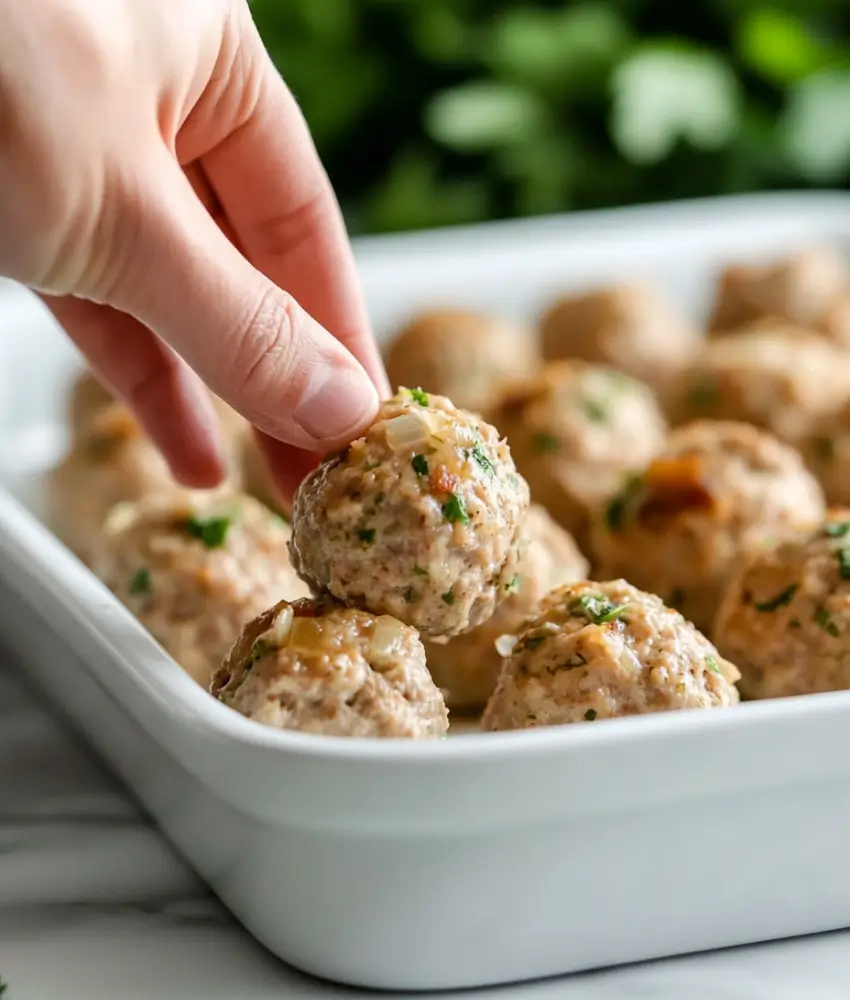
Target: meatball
pixel 785 616
pixel 826 449
pixel 630 327
pixel 775 377
pixel 575 431
pixel 467 667
pixel 195 568
pixel 718 493
pixel 419 519
pixel 462 355
pixel 809 289
pixel 110 461
pixel 602 650
pixel 324 668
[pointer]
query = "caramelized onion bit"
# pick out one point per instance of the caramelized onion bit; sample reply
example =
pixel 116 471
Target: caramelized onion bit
pixel 674 486
pixel 387 637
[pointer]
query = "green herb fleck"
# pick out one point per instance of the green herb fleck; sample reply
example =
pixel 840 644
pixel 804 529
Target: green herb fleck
pixel 419 571
pixel 544 441
pixel 211 531
pixel 369 466
pixel 598 609
pixel 703 393
pixel 419 396
pixel 618 506
pixel 821 617
pixel 513 585
pixel 141 582
pixel 780 600
pixel 258 651
pixel 366 535
pixel 595 411
pixel 844 563
pixel 420 465
pixel 454 509
pixel 711 663
pixel 449 598
pixel 590 715
pixel 837 529
pixel 824 448
pixel 411 595
pixel 478 453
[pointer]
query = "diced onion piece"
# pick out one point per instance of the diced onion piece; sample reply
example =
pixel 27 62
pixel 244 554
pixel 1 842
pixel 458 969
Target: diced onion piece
pixel 387 636
pixel 278 634
pixel 406 433
pixel 307 635
pixel 505 644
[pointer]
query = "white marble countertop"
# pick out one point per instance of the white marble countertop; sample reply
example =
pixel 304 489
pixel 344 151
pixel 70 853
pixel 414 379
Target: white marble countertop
pixel 95 906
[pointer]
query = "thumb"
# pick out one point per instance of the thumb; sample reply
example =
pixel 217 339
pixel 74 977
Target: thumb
pixel 249 340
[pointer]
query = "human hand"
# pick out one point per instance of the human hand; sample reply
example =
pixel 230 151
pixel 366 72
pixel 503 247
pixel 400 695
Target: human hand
pixel 161 191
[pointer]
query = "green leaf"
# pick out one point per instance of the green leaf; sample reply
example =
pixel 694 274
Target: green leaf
pixel 779 46
pixel 484 114
pixel 664 94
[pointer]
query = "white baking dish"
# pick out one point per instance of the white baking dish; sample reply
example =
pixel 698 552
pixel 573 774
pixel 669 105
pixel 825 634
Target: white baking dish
pixel 477 860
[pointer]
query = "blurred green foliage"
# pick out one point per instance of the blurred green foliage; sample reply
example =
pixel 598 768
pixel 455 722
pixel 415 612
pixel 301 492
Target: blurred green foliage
pixel 433 112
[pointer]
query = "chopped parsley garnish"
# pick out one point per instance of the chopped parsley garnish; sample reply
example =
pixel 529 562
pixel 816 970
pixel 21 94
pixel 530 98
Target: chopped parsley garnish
pixel 478 453
pixel 590 714
pixel 419 396
pixel 411 595
pixel 369 466
pixel 449 598
pixel 366 535
pixel 513 585
pixel 533 640
pixel 211 531
pixel 598 609
pixel 141 582
pixel 420 465
pixel 258 651
pixel 821 617
pixel 711 663
pixel 844 563
pixel 544 441
pixel 419 571
pixel 595 411
pixel 615 512
pixel 454 509
pixel 780 600
pixel 838 529
pixel 703 392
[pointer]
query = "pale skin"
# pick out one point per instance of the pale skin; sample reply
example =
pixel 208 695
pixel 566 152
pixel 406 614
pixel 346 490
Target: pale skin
pixel 161 192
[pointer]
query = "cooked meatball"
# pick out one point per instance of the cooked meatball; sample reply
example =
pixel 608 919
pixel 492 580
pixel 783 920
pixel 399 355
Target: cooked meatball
pixel 602 650
pixel 808 289
pixel 826 449
pixel 324 668
pixel 630 327
pixel 419 519
pixel 772 376
pixel 111 461
pixel 718 493
pixel 575 431
pixel 467 667
pixel 462 355
pixel 87 398
pixel 195 568
pixel 785 616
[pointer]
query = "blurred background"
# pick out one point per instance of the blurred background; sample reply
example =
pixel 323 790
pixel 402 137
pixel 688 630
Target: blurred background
pixel 437 112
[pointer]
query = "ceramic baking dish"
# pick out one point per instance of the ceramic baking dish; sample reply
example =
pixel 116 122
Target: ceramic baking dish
pixel 485 858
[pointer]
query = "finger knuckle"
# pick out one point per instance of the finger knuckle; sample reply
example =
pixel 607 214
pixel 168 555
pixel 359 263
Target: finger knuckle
pixel 265 356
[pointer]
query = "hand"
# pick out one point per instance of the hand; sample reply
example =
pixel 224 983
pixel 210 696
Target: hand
pixel 161 190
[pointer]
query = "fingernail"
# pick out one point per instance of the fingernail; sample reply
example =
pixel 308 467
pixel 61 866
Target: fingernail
pixel 337 402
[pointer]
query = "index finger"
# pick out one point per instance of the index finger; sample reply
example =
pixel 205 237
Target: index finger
pixel 274 190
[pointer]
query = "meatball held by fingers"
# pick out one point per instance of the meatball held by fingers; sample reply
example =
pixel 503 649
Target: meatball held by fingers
pixel 785 616
pixel 195 568
pixel 718 493
pixel 602 650
pixel 323 668
pixel 420 519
